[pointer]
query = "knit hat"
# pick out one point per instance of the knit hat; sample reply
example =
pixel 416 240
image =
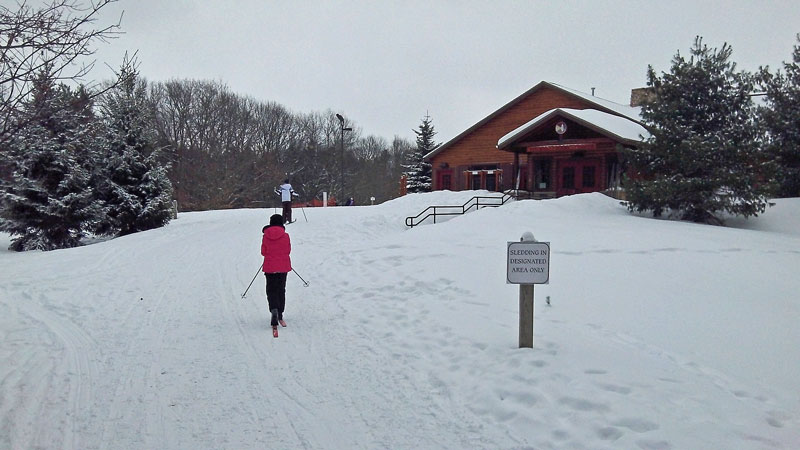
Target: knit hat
pixel 276 219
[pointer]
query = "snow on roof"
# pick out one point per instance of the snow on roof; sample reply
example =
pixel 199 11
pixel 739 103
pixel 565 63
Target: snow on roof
pixel 631 112
pixel 621 128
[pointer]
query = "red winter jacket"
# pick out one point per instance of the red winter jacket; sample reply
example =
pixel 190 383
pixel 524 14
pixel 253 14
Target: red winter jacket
pixel 275 247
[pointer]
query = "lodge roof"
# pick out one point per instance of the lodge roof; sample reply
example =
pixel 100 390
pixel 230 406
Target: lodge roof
pixel 619 128
pixel 632 113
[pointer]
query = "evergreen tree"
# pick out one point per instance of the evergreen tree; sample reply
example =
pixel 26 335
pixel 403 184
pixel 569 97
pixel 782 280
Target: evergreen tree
pixel 418 171
pixel 781 118
pixel 46 203
pixel 133 186
pixel 704 154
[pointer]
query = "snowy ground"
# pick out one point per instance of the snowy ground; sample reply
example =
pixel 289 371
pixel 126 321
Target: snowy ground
pixel 661 334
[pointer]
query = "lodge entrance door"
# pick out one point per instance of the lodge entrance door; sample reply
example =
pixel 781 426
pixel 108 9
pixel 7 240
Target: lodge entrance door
pixel 578 176
pixel 444 179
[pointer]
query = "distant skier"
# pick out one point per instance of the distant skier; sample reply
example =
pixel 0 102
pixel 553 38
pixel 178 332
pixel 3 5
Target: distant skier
pixel 286 192
pixel 350 202
pixel 276 247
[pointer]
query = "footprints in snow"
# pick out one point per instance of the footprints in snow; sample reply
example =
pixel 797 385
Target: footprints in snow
pixel 595 396
pixel 693 373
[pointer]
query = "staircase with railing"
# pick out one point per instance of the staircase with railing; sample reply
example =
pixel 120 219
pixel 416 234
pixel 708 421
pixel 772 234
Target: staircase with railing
pixel 477 202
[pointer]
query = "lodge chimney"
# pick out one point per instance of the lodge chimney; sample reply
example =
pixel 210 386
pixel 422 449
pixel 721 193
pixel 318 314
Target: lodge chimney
pixel 640 96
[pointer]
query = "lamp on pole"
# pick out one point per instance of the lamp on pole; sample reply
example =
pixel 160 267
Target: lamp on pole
pixel 341 158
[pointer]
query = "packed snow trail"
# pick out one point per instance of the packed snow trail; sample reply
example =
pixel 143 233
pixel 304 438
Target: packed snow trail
pixel 150 346
pixel 407 338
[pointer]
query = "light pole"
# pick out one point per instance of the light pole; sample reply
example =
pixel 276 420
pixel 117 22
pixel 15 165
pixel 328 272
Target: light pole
pixel 341 159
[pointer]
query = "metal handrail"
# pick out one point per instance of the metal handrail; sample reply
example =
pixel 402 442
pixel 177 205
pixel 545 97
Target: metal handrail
pixel 433 211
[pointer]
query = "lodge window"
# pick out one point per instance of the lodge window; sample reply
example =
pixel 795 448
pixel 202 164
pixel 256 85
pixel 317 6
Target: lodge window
pixel 491 182
pixel 445 182
pixel 542 174
pixel 476 181
pixel 480 179
pixel 568 178
pixel 588 176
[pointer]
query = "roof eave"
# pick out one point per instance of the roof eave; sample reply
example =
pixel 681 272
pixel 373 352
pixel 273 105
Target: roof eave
pixel 510 141
pixel 605 132
pixel 508 144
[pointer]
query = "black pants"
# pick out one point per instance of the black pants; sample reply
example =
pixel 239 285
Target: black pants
pixel 287 212
pixel 276 292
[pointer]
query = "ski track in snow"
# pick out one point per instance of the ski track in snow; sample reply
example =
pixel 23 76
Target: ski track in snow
pixel 145 342
pixel 162 354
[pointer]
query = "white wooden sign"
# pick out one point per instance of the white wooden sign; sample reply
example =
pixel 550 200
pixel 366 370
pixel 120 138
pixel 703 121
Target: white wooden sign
pixel 528 262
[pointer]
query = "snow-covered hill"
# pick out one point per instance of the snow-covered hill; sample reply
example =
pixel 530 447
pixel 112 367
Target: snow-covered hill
pixel 660 334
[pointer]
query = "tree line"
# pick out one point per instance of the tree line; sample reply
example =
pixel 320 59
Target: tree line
pixel 202 145
pixel 230 151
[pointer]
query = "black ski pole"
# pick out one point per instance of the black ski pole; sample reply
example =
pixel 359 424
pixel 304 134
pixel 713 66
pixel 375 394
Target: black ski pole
pixel 304 213
pixel 305 283
pixel 251 281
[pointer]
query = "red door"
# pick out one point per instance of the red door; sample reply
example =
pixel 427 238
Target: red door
pixel 444 180
pixel 575 177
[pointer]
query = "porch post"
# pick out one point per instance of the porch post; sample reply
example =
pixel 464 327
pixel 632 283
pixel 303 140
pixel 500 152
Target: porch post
pixel 529 173
pixel 604 172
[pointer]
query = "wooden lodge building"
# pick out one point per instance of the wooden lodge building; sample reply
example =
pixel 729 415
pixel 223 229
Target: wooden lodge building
pixel 550 141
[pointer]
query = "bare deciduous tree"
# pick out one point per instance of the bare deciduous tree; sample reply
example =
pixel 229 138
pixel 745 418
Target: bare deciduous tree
pixel 51 40
pixel 230 151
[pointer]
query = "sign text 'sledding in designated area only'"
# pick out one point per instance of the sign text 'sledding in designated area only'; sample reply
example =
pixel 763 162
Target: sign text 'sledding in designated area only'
pixel 528 262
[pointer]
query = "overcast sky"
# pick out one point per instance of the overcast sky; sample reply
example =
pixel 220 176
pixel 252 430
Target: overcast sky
pixel 385 64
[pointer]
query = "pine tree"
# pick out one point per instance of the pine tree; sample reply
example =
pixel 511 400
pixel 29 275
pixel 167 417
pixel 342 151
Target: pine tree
pixel 418 171
pixel 47 201
pixel 133 187
pixel 781 118
pixel 704 154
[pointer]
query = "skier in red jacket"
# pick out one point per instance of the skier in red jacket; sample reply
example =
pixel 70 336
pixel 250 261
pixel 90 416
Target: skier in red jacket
pixel 275 247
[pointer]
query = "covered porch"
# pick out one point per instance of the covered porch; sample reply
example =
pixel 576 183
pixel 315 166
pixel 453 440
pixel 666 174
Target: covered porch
pixel 566 151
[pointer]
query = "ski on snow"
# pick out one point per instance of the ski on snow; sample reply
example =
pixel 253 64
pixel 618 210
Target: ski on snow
pixel 275 327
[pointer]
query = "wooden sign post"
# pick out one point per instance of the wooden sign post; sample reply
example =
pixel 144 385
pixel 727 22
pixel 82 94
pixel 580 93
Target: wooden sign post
pixel 527 264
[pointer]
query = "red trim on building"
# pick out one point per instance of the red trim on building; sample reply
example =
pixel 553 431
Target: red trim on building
pixel 558 148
